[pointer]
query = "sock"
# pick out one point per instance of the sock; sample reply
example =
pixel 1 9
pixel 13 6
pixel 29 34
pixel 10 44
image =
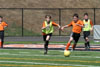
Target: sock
pixel 85 45
pixel 46 45
pixel 0 44
pixel 88 44
pixel 73 46
pixel 67 46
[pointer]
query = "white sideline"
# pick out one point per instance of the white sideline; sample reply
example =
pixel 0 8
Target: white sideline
pixel 47 55
pixel 48 63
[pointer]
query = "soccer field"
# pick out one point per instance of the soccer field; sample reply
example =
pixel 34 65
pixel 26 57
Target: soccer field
pixel 54 58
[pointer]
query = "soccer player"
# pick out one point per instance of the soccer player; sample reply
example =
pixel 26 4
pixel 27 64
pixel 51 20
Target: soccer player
pixel 47 31
pixel 76 30
pixel 2 26
pixel 88 26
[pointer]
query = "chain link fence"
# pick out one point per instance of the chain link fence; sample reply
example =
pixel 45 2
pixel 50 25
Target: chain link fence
pixel 28 21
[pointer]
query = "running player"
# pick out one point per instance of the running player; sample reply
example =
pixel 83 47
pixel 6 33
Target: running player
pixel 76 30
pixel 47 31
pixel 2 26
pixel 88 26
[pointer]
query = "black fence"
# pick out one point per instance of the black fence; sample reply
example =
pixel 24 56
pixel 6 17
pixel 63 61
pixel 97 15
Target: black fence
pixel 28 21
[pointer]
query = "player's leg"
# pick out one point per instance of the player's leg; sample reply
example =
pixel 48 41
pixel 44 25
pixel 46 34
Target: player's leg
pixel 47 42
pixel 0 44
pixel 2 39
pixel 76 38
pixel 87 44
pixel 84 33
pixel 69 43
pixel 44 38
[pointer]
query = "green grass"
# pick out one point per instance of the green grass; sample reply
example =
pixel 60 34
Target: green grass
pixel 54 58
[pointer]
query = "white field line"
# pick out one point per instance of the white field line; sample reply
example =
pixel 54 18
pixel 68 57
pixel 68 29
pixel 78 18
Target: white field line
pixel 48 63
pixel 46 55
pixel 24 52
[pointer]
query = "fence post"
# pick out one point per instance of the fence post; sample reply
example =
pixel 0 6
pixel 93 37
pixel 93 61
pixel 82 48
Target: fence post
pixel 22 22
pixel 59 20
pixel 94 17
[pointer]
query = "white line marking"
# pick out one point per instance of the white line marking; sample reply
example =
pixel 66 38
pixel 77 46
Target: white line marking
pixel 4 53
pixel 48 63
pixel 24 52
pixel 47 55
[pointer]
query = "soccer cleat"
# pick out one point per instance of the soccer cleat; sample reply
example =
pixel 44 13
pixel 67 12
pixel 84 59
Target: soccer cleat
pixel 45 52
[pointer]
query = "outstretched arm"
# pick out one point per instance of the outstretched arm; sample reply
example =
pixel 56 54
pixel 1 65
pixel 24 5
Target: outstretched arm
pixel 66 26
pixel 55 24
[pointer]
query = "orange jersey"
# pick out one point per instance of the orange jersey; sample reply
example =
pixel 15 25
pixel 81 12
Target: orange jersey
pixel 53 23
pixel 76 28
pixel 2 25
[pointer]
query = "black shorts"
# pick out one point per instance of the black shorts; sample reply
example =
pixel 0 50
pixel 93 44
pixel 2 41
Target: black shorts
pixel 1 34
pixel 86 34
pixel 75 36
pixel 45 36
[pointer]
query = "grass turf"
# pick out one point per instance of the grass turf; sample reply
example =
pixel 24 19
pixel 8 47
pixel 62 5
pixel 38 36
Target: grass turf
pixel 54 58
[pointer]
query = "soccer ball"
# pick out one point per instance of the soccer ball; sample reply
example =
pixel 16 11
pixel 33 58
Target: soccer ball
pixel 67 53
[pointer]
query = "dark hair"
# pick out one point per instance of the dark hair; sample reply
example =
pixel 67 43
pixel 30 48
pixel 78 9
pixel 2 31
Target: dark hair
pixel 1 17
pixel 85 14
pixel 48 16
pixel 75 15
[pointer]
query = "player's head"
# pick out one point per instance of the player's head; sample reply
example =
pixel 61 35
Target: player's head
pixel 1 18
pixel 75 17
pixel 85 15
pixel 48 17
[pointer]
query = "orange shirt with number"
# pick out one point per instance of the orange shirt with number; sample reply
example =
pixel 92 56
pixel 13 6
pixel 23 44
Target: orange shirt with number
pixel 76 28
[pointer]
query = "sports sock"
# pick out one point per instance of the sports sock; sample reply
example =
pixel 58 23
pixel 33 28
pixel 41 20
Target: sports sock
pixel 0 44
pixel 67 46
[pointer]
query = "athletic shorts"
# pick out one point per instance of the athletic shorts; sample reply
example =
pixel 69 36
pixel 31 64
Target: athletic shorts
pixel 1 34
pixel 45 36
pixel 75 36
pixel 86 34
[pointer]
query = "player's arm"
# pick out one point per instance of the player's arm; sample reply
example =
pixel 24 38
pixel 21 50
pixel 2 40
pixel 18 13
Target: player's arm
pixel 66 26
pixel 81 24
pixel 43 26
pixel 5 24
pixel 55 24
pixel 91 25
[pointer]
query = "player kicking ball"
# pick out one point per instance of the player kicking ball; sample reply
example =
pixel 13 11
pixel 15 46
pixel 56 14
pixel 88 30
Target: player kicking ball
pixel 76 30
pixel 47 31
